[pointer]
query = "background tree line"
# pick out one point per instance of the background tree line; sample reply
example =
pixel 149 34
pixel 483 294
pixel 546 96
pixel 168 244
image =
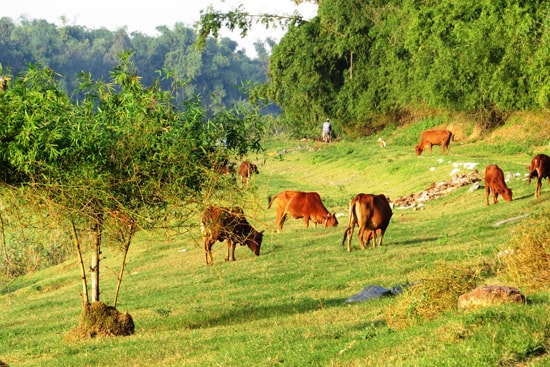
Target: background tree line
pixel 214 72
pixel 366 62
pixel 361 63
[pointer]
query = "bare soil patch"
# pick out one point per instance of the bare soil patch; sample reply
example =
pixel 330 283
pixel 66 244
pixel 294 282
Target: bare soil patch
pixel 99 319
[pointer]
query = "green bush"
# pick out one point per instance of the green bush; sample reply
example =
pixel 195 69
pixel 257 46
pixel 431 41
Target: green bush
pixel 526 260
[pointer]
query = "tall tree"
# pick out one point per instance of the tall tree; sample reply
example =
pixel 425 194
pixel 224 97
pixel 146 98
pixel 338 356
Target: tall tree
pixel 362 62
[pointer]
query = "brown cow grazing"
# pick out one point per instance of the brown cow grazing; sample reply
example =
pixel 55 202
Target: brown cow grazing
pixel 246 170
pixel 219 224
pixel 372 213
pixel 434 137
pixel 494 181
pixel 540 167
pixel 307 205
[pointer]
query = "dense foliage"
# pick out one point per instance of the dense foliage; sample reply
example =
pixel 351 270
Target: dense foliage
pixel 357 61
pixel 123 147
pixel 215 72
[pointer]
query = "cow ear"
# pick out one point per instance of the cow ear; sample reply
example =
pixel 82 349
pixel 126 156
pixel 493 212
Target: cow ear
pixel 262 231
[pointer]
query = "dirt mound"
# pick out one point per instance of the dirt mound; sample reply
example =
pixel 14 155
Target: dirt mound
pixel 437 190
pixel 98 319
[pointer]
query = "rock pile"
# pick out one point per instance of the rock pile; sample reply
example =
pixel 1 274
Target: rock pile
pixel 437 190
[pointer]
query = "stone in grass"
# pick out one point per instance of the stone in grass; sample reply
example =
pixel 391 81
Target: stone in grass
pixel 490 295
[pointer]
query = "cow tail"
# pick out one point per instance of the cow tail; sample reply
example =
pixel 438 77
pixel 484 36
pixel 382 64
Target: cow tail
pixel 345 237
pixel 270 201
pixel 351 221
pixel 351 217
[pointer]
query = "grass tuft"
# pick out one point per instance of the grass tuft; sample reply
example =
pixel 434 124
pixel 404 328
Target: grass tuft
pixel 526 261
pixel 432 292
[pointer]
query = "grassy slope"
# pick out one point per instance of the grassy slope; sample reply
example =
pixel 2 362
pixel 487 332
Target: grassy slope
pixel 287 307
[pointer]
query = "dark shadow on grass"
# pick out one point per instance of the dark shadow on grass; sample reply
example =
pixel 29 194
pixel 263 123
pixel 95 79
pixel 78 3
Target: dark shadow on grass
pixel 522 197
pixel 232 314
pixel 412 241
pixel 531 196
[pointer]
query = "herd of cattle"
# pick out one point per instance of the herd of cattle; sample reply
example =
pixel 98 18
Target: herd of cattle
pixel 371 213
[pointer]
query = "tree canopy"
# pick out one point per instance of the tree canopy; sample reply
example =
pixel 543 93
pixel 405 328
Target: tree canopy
pixel 357 61
pixel 123 150
pixel 214 73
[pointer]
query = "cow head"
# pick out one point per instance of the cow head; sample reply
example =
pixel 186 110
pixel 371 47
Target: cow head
pixel 254 169
pixel 507 194
pixel 330 220
pixel 254 241
pixel 418 149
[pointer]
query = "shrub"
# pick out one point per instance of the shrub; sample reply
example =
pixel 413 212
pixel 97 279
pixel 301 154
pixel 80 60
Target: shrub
pixel 526 261
pixel 433 292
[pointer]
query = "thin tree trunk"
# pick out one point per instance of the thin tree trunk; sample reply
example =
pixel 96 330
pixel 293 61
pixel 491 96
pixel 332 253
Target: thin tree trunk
pixel 94 268
pixel 124 220
pixel 5 246
pixel 84 295
pixel 126 248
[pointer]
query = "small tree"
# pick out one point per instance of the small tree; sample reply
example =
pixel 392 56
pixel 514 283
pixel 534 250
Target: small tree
pixel 124 152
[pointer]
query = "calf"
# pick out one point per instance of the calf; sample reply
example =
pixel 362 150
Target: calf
pixel 246 170
pixel 540 167
pixel 372 213
pixel 219 224
pixel 435 137
pixel 494 181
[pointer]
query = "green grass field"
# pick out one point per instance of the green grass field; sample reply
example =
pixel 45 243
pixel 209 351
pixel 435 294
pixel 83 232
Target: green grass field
pixel 287 306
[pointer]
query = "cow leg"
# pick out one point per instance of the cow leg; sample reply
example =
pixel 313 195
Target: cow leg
pixel 306 221
pixel 372 235
pixel 360 234
pixel 207 256
pixel 381 237
pixel 208 252
pixel 233 245
pixel 539 185
pixel 487 193
pixel 230 248
pixel 349 233
pixel 495 197
pixel 367 235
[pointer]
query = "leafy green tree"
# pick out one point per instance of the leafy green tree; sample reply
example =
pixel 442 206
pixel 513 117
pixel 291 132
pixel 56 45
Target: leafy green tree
pixel 363 62
pixel 124 152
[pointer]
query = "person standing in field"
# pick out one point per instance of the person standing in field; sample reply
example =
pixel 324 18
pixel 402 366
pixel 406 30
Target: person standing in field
pixel 327 130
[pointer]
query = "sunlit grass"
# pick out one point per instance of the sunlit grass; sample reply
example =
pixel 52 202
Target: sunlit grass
pixel 286 307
